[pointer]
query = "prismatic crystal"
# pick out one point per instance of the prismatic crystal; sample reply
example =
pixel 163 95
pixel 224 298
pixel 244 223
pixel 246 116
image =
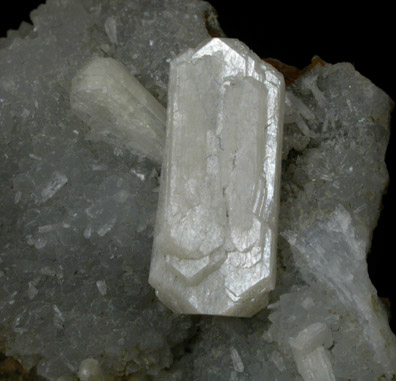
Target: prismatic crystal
pixel 216 230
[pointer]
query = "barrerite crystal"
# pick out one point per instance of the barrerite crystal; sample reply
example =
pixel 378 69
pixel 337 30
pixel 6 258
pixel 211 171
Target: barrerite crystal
pixel 119 110
pixel 216 230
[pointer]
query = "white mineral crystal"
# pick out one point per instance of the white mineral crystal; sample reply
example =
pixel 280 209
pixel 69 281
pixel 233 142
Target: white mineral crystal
pixel 90 370
pixel 102 287
pixel 236 360
pixel 117 107
pixel 315 365
pixel 311 337
pixel 216 230
pixel 311 357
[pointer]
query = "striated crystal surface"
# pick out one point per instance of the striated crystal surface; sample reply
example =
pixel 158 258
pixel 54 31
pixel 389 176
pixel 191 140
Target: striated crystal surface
pixel 77 216
pixel 118 108
pixel 216 230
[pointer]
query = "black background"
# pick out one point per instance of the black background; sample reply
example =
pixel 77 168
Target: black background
pixel 363 35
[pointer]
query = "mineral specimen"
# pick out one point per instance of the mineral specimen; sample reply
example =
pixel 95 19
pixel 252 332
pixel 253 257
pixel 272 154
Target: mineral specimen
pixel 118 108
pixel 77 216
pixel 216 231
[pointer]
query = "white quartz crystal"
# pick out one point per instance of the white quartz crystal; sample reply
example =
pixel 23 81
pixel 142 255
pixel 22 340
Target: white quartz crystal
pixel 118 108
pixel 216 230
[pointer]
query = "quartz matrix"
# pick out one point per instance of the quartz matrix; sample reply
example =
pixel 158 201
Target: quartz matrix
pixel 216 230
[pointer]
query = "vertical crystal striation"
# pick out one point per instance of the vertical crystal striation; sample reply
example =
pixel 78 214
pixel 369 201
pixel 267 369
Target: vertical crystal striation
pixel 216 230
pixel 118 108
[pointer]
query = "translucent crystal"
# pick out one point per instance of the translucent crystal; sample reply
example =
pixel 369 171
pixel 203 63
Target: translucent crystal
pixel 315 365
pixel 215 242
pixel 311 356
pixel 311 337
pixel 237 361
pixel 90 370
pixel 117 107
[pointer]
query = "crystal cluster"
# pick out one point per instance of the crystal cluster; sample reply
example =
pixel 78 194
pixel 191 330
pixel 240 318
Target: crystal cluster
pixel 310 354
pixel 118 108
pixel 216 231
pixel 77 216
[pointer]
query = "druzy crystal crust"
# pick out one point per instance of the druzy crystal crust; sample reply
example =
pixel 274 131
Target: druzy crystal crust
pixel 215 242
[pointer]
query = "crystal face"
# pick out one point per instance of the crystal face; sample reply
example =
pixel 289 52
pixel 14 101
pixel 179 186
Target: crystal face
pixel 216 230
pixel 118 108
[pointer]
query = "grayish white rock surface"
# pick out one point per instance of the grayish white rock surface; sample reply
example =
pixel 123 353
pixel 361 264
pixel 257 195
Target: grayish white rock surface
pixel 118 108
pixel 75 212
pixel 217 221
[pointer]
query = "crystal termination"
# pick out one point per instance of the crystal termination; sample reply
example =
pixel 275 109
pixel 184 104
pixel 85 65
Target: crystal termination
pixel 216 230
pixel 118 108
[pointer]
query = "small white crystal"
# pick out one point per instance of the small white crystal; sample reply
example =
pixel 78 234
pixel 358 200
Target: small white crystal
pixel 277 359
pixel 311 357
pixel 111 29
pixel 311 337
pixel 216 230
pixel 90 370
pixel 236 360
pixel 35 157
pixel 32 290
pixel 18 195
pixel 315 365
pixel 59 318
pixel 87 232
pixel 102 287
pixel 57 181
pixel 140 176
pixel 105 228
pixel 118 108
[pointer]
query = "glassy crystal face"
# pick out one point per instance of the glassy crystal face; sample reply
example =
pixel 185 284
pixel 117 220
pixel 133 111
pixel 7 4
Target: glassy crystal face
pixel 119 110
pixel 216 230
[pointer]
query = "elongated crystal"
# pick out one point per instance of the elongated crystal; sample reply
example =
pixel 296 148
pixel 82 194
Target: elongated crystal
pixel 310 354
pixel 215 240
pixel 119 110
